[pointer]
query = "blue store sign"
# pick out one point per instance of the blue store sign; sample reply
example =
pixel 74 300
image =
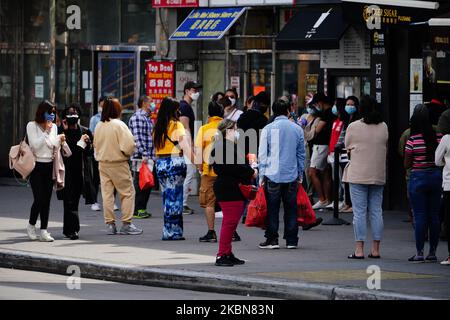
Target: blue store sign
pixel 207 24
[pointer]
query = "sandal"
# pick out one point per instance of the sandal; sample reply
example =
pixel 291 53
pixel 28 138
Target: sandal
pixel 373 257
pixel 354 256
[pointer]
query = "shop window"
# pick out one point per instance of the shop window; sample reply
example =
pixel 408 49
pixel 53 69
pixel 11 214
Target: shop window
pixel 260 71
pixel 37 21
pixel 6 101
pixel 138 21
pixel 8 18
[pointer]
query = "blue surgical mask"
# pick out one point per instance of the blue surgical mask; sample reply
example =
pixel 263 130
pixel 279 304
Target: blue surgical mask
pixel 49 116
pixel 350 109
pixel 152 107
pixel 334 110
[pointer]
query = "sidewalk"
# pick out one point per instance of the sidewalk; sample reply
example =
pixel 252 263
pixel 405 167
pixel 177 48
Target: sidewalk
pixel 318 269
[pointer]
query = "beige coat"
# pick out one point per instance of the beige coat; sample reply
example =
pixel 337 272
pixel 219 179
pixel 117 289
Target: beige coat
pixel 113 141
pixel 367 147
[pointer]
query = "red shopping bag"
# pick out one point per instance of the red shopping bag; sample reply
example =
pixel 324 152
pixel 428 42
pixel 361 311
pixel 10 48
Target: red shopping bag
pixel 146 180
pixel 257 210
pixel 305 212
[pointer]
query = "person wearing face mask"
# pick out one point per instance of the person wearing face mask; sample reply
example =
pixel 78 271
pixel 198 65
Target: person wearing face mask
pixel 79 140
pixel 141 126
pixel 338 110
pixel 319 170
pixel 95 119
pixel 187 118
pixel 231 111
pixel 42 138
pixel 229 163
pixel 351 108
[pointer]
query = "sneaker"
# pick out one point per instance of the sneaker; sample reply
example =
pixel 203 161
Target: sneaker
pixel 269 244
pixel 46 237
pixel 291 246
pixel 320 205
pixel 235 260
pixel 416 259
pixel 224 261
pixel 31 231
pixel 116 207
pixel 130 229
pixel 73 236
pixel 111 229
pixel 312 225
pixel 446 262
pixel 209 237
pixel 142 214
pixel 219 215
pixel 236 237
pixel 331 205
pixel 431 258
pixel 96 207
pixel 187 210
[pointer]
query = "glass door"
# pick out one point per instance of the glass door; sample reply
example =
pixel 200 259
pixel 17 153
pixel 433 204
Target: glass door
pixel 117 77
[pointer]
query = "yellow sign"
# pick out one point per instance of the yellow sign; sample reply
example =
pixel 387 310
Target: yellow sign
pixel 388 16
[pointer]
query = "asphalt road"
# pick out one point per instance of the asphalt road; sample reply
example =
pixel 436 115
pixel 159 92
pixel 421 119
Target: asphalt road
pixel 29 285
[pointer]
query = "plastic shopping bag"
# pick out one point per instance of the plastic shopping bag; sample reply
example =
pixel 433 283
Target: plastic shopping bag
pixel 146 179
pixel 305 212
pixel 257 210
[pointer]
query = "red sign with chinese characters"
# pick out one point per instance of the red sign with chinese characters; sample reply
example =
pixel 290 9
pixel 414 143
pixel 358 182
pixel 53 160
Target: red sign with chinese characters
pixel 160 80
pixel 174 3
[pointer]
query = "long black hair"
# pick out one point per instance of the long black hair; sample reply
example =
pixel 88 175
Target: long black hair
pixel 421 124
pixel 168 111
pixel 369 111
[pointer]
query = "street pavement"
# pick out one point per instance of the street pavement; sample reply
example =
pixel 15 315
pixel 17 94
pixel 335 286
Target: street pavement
pixel 320 259
pixel 32 285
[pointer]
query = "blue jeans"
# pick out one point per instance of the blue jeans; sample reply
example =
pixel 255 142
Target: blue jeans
pixel 367 199
pixel 425 190
pixel 275 192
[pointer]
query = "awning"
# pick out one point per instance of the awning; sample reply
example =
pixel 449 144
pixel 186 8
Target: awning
pixel 313 29
pixel 207 24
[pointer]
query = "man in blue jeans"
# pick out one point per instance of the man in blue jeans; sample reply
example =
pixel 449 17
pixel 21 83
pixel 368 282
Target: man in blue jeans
pixel 281 164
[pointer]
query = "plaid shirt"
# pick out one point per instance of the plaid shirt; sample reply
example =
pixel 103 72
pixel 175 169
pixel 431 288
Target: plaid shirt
pixel 142 128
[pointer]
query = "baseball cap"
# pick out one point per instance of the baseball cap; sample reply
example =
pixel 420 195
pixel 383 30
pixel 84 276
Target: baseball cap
pixel 192 84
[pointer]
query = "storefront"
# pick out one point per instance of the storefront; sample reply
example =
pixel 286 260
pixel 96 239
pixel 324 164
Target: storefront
pixel 69 51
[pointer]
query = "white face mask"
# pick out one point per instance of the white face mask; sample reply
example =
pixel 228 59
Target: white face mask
pixel 233 101
pixel 195 96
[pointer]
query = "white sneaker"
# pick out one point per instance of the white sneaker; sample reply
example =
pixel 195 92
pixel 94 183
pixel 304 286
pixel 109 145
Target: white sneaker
pixel 446 262
pixel 116 207
pixel 46 237
pixel 31 230
pixel 320 205
pixel 219 215
pixel 96 207
pixel 340 206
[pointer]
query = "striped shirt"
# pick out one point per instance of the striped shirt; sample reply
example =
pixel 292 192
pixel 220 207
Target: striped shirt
pixel 416 147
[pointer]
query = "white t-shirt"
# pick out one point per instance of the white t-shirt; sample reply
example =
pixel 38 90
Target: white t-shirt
pixel 234 115
pixel 42 142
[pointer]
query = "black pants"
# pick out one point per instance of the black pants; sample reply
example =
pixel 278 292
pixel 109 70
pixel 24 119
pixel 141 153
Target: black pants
pixel 42 185
pixel 447 217
pixel 72 194
pixel 142 196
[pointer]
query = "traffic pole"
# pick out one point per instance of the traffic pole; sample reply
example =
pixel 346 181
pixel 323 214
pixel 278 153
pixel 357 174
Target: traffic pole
pixel 336 221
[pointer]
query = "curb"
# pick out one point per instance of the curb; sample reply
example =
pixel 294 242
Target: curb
pixel 191 280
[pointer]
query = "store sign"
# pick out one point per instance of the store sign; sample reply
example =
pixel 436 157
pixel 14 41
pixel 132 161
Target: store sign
pixel 207 24
pixel 159 80
pixel 377 16
pixel 353 52
pixel 174 3
pixel 379 63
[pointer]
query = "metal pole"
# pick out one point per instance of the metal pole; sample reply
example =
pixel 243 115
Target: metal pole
pixel 227 62
pixel 336 221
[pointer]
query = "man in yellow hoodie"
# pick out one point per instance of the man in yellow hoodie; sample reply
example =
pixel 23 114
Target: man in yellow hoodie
pixel 114 144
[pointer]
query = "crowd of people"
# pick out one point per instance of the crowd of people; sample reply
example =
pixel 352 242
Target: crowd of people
pixel 235 148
